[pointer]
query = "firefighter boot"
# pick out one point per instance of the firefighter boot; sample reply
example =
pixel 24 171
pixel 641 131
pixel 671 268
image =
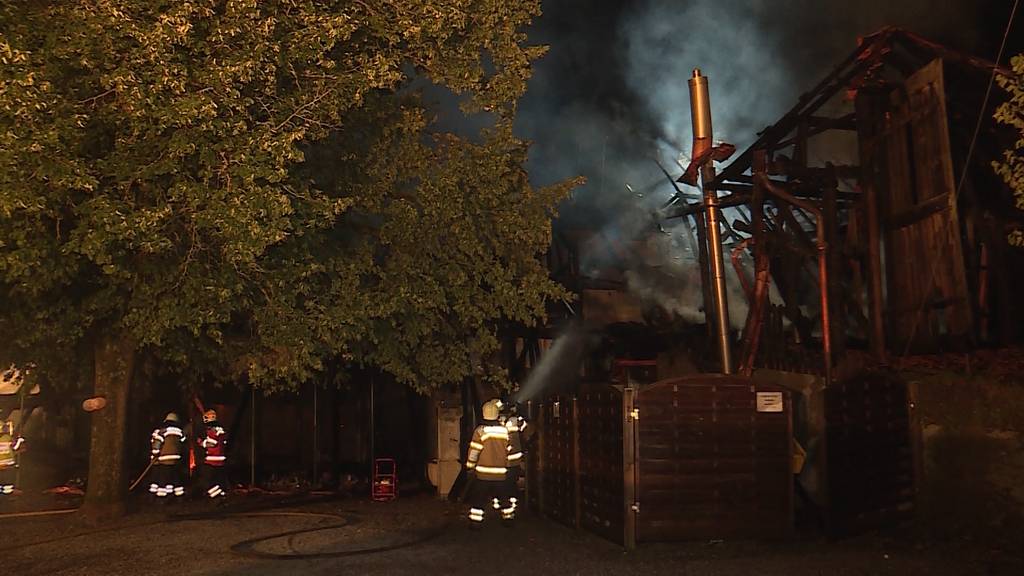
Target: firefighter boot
pixel 508 512
pixel 476 518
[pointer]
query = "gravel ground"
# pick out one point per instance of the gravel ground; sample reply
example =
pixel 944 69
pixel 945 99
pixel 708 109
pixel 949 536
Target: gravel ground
pixel 196 540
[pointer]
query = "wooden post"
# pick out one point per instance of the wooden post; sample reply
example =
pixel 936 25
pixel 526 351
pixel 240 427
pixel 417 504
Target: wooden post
pixel 837 316
pixel 791 505
pixel 629 469
pixel 800 149
pixel 755 315
pixel 869 181
pixel 576 484
pixel 528 477
pixel 541 433
pixel 705 272
pixel 252 437
pixel 916 442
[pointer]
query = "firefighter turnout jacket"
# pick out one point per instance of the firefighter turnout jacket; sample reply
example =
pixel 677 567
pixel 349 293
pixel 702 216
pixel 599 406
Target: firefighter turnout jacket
pixel 491 451
pixel 515 427
pixel 9 444
pixel 166 443
pixel 215 445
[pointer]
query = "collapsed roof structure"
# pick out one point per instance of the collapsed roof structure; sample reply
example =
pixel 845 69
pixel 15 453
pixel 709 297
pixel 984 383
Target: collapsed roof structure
pixel 878 186
pixel 872 211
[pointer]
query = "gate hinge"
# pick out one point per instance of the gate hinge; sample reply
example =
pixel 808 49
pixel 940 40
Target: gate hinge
pixel 635 507
pixel 634 414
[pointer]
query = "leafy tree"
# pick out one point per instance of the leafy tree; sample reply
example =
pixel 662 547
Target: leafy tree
pixel 1011 113
pixel 251 187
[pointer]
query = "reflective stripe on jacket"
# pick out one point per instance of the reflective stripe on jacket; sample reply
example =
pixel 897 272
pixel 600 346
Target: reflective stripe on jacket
pixel 214 443
pixel 6 451
pixel 489 451
pixel 515 426
pixel 166 444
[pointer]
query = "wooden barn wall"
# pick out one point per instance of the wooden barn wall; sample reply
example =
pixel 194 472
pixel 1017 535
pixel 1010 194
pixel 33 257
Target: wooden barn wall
pixel 872 453
pixel 907 154
pixel 710 464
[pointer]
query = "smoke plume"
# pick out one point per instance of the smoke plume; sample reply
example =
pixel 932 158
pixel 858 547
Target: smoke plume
pixel 612 96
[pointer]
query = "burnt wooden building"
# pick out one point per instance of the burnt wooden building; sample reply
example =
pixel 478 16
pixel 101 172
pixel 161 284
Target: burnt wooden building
pixel 889 158
pixel 871 214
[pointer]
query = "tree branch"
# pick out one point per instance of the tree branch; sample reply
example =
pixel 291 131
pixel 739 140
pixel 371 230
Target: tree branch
pixel 302 109
pixel 92 99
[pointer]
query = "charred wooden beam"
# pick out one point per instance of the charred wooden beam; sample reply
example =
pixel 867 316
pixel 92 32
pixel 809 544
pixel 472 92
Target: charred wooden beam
pixel 693 215
pixel 800 189
pixel 815 125
pixel 735 187
pixel 859 60
pixel 821 244
pixel 730 232
pixel 800 144
pixel 755 314
pixel 909 38
pixel 724 202
pixel 777 240
pixel 744 216
pixel 819 124
pixel 917 212
pixel 796 230
pixel 803 216
pixel 874 50
pixel 830 216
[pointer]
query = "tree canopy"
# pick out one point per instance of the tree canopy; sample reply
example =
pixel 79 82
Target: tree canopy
pixel 243 187
pixel 253 186
pixel 1011 112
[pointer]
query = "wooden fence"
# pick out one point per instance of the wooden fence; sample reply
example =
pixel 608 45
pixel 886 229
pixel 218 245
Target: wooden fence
pixel 704 456
pixel 872 453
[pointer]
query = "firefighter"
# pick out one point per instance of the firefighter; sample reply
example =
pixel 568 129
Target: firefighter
pixel 490 455
pixel 166 447
pixel 516 462
pixel 214 443
pixel 10 444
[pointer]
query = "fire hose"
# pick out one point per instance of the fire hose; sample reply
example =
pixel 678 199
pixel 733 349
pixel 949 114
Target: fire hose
pixel 199 404
pixel 247 547
pixel 141 476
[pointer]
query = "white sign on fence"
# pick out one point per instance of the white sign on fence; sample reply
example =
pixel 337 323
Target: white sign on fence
pixel 769 402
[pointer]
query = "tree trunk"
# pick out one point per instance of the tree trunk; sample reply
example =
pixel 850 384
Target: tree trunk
pixel 107 485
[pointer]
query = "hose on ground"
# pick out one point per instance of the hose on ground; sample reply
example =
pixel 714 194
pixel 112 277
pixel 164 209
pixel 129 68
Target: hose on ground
pixel 247 548
pixel 37 513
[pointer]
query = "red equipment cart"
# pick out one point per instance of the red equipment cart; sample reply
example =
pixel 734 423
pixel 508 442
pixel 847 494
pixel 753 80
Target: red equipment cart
pixel 385 479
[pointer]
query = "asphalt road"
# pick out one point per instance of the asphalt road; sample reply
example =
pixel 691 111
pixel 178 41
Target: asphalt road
pixel 321 538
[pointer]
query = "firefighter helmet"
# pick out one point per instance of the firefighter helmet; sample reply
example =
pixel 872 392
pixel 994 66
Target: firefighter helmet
pixel 171 417
pixel 491 409
pixel 209 416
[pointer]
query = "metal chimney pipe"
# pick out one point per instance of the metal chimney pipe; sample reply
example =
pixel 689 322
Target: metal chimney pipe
pixel 700 116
